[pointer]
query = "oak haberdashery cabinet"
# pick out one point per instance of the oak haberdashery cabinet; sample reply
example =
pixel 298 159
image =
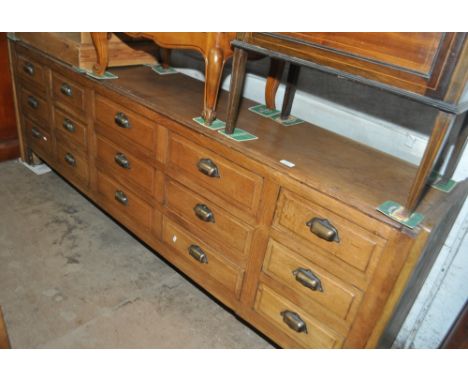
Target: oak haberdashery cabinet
pixel 298 252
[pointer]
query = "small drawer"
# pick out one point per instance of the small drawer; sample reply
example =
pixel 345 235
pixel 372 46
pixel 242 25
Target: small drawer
pixel 227 180
pixel 39 139
pixel 125 164
pixel 73 163
pixel 202 257
pixel 121 201
pixel 117 119
pixel 294 322
pixel 31 72
pixel 70 127
pixel 203 214
pixel 68 93
pixel 321 227
pixel 35 107
pixel 311 281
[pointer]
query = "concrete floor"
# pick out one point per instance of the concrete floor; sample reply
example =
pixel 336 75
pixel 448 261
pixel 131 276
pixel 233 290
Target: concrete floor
pixel 70 277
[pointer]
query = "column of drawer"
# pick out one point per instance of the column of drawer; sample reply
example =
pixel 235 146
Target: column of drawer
pixel 214 202
pixel 125 152
pixel 317 266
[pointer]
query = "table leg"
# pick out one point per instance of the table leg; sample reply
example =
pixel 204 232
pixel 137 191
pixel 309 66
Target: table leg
pixel 235 91
pixel 442 126
pixel 165 57
pixel 458 149
pixel 213 71
pixel 293 75
pixel 101 46
pixel 273 81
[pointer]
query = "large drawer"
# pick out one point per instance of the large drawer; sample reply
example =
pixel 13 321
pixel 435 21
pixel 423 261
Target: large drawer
pixel 277 309
pixel 121 201
pixel 31 72
pixel 320 227
pixel 311 282
pixel 35 107
pixel 237 185
pixel 70 127
pixel 127 166
pixel 39 139
pixel 118 120
pixel 204 215
pixel 73 163
pixel 210 262
pixel 68 93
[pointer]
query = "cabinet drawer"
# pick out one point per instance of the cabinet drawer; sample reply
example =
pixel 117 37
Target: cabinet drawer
pixel 70 127
pixel 73 163
pixel 35 107
pixel 208 217
pixel 274 308
pixel 121 201
pixel 68 93
pixel 124 122
pixel 125 164
pixel 31 72
pixel 311 281
pixel 39 139
pixel 313 223
pixel 229 181
pixel 212 264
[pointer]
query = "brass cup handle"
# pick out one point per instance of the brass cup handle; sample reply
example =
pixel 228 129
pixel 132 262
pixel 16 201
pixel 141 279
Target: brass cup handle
pixel 204 213
pixel 197 253
pixel 70 159
pixel 33 102
pixel 323 229
pixel 29 68
pixel 208 167
pixel 307 278
pixel 122 160
pixel 121 197
pixel 68 125
pixel 294 321
pixel 122 120
pixel 66 89
pixel 36 133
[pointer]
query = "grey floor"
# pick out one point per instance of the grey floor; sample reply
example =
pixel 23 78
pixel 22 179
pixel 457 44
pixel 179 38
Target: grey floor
pixel 70 277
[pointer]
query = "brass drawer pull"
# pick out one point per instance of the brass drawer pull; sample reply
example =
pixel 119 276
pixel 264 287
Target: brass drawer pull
pixel 307 278
pixel 122 120
pixel 208 167
pixel 204 213
pixel 36 133
pixel 122 160
pixel 29 68
pixel 121 197
pixel 197 253
pixel 68 125
pixel 323 229
pixel 33 102
pixel 294 321
pixel 70 159
pixel 66 89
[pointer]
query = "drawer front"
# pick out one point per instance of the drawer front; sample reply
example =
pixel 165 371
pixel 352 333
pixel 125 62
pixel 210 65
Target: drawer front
pixel 277 309
pixel 125 164
pixel 350 244
pixel 122 121
pixel 208 217
pixel 39 139
pixel 70 127
pixel 210 263
pixel 121 201
pixel 35 107
pixel 73 163
pixel 311 281
pixel 67 92
pixel 235 184
pixel 31 71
